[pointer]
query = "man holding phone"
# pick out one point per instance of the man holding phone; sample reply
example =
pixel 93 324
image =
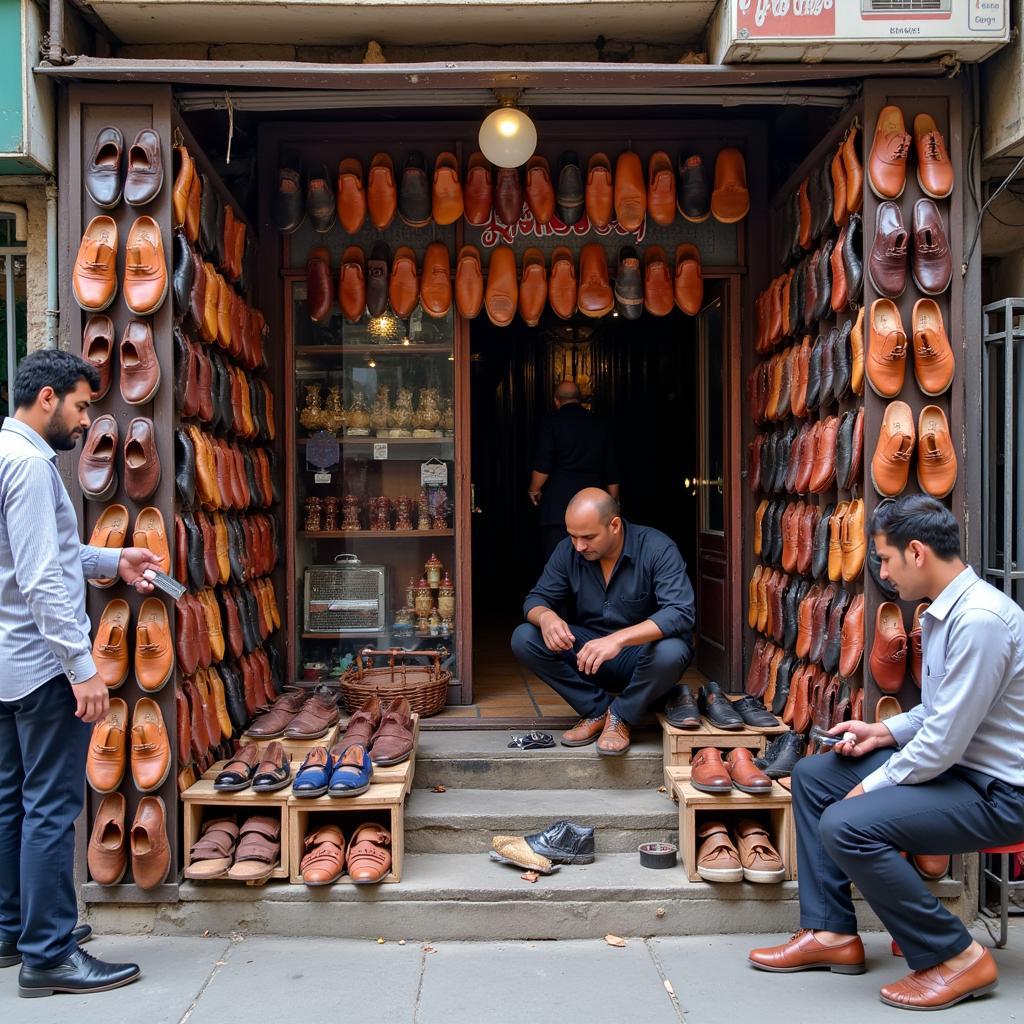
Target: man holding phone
pixel 945 777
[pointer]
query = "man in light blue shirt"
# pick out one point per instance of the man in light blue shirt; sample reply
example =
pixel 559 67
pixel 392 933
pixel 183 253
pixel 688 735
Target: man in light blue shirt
pixel 50 692
pixel 945 777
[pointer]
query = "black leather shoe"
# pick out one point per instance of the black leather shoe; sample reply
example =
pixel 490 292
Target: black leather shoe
pixel 753 712
pixel 207 216
pixel 841 362
pixel 818 636
pixel 853 263
pixel 781 756
pixel 250 625
pixel 814 373
pixel 796 251
pixel 250 476
pixel 414 205
pixel 693 197
pixel 185 467
pixel 790 612
pixel 234 692
pixel 827 369
pixel 289 209
pixel 823 281
pixel 776 531
pixel 196 553
pixel 564 843
pixel 844 446
pixel 782 683
pixel 276 668
pixel 819 556
pixel 681 709
pixel 78 973
pixel 629 286
pixel 814 202
pixel 833 637
pixel 320 205
pixel 875 563
pixel 9 955
pixel 716 707
pixel 183 357
pixel 182 276
pixel 570 196
pixel 782 463
pixel 378 266
pixel 274 475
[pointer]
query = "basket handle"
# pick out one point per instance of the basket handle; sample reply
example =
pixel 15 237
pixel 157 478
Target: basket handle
pixel 396 653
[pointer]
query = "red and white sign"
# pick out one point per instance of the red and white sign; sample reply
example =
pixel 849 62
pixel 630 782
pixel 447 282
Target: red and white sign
pixel 786 18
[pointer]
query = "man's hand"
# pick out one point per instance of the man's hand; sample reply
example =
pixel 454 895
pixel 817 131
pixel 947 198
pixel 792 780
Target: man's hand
pixel 93 699
pixel 556 633
pixel 534 497
pixel 857 790
pixel 865 738
pixel 594 653
pixel 134 564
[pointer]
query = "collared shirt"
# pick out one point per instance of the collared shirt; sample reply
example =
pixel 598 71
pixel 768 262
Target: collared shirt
pixel 649 581
pixel 44 630
pixel 972 690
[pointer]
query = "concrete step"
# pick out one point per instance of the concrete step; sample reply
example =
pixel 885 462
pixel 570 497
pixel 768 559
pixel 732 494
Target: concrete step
pixel 484 760
pixel 463 821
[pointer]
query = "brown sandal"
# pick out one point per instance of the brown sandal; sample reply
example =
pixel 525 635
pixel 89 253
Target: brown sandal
pixel 259 850
pixel 369 854
pixel 213 853
pixel 325 862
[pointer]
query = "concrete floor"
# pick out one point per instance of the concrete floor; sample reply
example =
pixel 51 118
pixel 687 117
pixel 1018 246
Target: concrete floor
pixel 699 979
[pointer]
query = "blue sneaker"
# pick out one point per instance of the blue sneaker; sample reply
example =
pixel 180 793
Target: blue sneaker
pixel 353 772
pixel 314 775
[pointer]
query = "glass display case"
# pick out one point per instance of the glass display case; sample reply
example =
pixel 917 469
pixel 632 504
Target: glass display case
pixel 374 486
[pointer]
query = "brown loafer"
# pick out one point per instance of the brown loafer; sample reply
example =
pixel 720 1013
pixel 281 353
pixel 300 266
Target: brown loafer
pixel 97 467
pixel 151 853
pixel 94 277
pixel 213 853
pixel 325 862
pixel 110 648
pixel 104 766
pixel 939 986
pixel 272 722
pixel 718 860
pixel 745 775
pixel 585 731
pixel 393 741
pixel 362 725
pixel 614 738
pixel 151 748
pixel 759 858
pixel 369 854
pixel 259 850
pixel 108 851
pixel 708 772
pixel 803 952
pixel 318 714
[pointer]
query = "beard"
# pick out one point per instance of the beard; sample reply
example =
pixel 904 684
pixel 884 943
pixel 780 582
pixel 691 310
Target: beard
pixel 58 437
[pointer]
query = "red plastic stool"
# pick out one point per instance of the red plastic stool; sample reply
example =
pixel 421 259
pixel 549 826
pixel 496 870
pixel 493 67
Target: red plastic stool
pixel 1004 883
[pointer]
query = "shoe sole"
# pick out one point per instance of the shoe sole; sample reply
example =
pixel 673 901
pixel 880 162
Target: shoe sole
pixel 711 789
pixel 753 791
pixel 942 1006
pixel 612 753
pixel 819 966
pixel 720 874
pixel 342 793
pixel 498 859
pixel 580 743
pixel 764 877
pixel 35 993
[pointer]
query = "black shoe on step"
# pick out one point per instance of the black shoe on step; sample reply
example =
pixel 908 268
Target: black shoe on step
pixel 681 709
pixel 564 843
pixel 716 707
pixel 78 973
pixel 754 714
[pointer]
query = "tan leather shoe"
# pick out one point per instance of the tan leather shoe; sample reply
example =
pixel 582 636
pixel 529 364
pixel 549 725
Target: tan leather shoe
pixel 886 362
pixel 803 952
pixel 381 191
pixel 614 738
pixel 730 199
pixel 689 280
pixel 502 292
pixel 852 638
pixel 890 147
pixel 708 772
pixel 840 290
pixel 562 289
pixel 888 658
pixel 760 860
pixel 436 282
pixel 182 185
pixel 151 854
pixel 350 197
pixel 936 457
pixel 225 311
pixel 931 866
pixel 94 277
pixel 852 541
pixel 215 685
pixel 352 284
pixel 718 860
pixel 661 189
pixel 446 196
pixel 659 294
pixel 109 532
pixel 478 194
pixel 835 542
pixel 584 732
pixel 324 863
pixel 752 602
pixel 469 282
pixel 595 297
pixel 107 856
pixel 533 287
pixel 599 193
pixel 890 464
pixel 630 198
pixel 145 268
pixel 934 363
pixel 98 350
pixel 857 354
pixel 211 296
pixel 154 652
pixel 934 170
pixel 105 763
pixel 369 854
pixel 404 285
pixel 151 749
pixel 745 775
pixel 540 193
pixel 151 533
pixel 840 215
pixel 854 173
pixel 110 648
pixel 939 987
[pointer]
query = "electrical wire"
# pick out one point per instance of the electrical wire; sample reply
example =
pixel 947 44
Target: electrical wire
pixel 1003 185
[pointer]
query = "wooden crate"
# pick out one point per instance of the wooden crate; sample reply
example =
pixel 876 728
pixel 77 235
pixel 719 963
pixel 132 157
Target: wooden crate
pixel 695 805
pixel 680 744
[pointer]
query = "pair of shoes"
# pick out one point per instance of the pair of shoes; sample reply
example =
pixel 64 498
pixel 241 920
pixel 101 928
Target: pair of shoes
pixel 368 855
pixel 930 260
pixel 265 772
pixel 936 455
pixel 111 529
pixel 97 467
pixel 710 774
pixel 609 731
pixel 250 853
pixel 94 275
pixel 110 843
pixel 385 731
pixel 10 957
pixel 888 351
pixel 150 747
pixel 781 755
pixel 143 169
pixel 752 857
pixel 894 651
pixel 154 654
pixel 890 151
pixel 140 368
pixel 297 715
pixel 847 541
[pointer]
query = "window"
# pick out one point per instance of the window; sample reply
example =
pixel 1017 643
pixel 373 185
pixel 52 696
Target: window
pixel 13 314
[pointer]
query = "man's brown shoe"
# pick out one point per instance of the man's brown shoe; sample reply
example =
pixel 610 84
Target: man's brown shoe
pixel 854 173
pixel 718 860
pixel 469 282
pixel 658 290
pixel 595 297
pixel 931 866
pixel 708 772
pixel 533 288
pixel 745 775
pixel 154 652
pixel 857 354
pixel 689 281
pixel 140 367
pixel 598 191
pixel 352 284
pixel 110 648
pixel 446 195
pixel 404 284
pixel 350 197
pixel 562 283
pixel 630 192
pixel 97 467
pixel 151 854
pixel 94 277
pixel 940 986
pixel 852 638
pixel 393 740
pixel 934 170
pixel 886 362
pixel 108 852
pixel 145 268
pixel 804 952
pixel 109 532
pixel 502 292
pixel 614 739
pixel 98 349
pixel 661 189
pixel 478 193
pixel 730 199
pixel 151 748
pixel 584 732
pixel 105 763
pixel 151 533
pixel 852 542
pixel 890 464
pixel 540 193
pixel 888 658
pixel 436 280
pixel 381 192
pixel 141 460
pixel 933 357
pixel 890 147
pixel 936 457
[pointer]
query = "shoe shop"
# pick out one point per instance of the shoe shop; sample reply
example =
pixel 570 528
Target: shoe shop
pixel 335 308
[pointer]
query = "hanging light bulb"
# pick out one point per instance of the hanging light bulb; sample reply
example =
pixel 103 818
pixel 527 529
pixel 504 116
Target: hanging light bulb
pixel 508 137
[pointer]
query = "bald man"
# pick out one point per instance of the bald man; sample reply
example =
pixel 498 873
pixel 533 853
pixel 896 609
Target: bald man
pixel 574 451
pixel 609 625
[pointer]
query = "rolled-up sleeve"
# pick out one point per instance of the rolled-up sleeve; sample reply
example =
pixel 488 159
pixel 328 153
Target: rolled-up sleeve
pixel 100 563
pixel 552 590
pixel 673 592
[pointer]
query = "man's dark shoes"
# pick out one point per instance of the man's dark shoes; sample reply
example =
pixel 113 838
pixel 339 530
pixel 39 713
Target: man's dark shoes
pixel 681 709
pixel 9 955
pixel 564 843
pixel 782 755
pixel 78 973
pixel 754 714
pixel 717 708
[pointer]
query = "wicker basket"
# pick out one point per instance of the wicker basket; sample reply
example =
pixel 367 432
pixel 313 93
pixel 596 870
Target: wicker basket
pixel 424 686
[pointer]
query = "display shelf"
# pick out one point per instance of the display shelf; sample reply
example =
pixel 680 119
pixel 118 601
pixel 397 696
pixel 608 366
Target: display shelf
pixel 366 442
pixel 322 351
pixel 372 534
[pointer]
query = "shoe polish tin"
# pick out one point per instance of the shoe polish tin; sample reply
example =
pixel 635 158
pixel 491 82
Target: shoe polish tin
pixel 658 855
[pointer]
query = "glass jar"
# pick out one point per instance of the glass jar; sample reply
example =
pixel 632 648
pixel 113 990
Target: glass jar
pixel 400 419
pixel 358 417
pixel 432 571
pixel 330 506
pixel 380 414
pixel 334 411
pixel 446 599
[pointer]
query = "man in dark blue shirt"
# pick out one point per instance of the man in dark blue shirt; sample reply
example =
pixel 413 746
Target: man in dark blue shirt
pixel 625 590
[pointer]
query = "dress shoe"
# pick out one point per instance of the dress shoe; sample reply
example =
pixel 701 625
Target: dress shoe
pixel 141 460
pixel 823 470
pixel 930 258
pixel 823 281
pixel 540 193
pixel 105 763
pixel 933 357
pixel 564 843
pixel 804 208
pixel 150 533
pixel 661 189
pixel 98 350
pixel 502 292
pixel 708 772
pixel 369 854
pixel 781 755
pixel 805 538
pixel 314 775
pixel 841 361
pixel 569 197
pixel 184 270
pixel 562 289
pixel 886 361
pixel 857 361
pixel 404 285
pixel 211 296
pixel 154 653
pixel 151 750
pixel 760 860
pixel 887 261
pixel 915 649
pixel 835 542
pixel 469 282
pixel 145 268
pixel 289 209
pixel 832 646
pixel 888 658
pixel 936 456
pixel 140 367
pixel 478 192
pixel 658 288
pixel 446 195
pixel 823 221
pixel 414 194
pixel 352 284
pixel 804 952
pixel 350 196
pixel 185 467
pixel 210 218
pixel 377 270
pixel 890 464
pixel 681 711
pixel 716 707
pixel 730 199
pixel 853 265
pixel 753 712
pixel 630 198
pixel 151 854
pixel 693 194
pixel 851 639
pixel 584 732
pixel 193 204
pixel 931 866
pixel 107 855
pixel 595 297
pixel 599 194
pixel 102 175
pixel 393 741
pixel 145 176
pixel 533 288
pixel 890 147
pixel 321 207
pixel 814 373
pixel 317 715
pixel 614 738
pixel 939 987
pixel 629 287
pixel 837 269
pixel 94 277
pixel 508 195
pixel 689 280
pixel 381 194
pixel 97 467
pixel 110 647
pixel 324 861
pixel 934 170
pixel 718 860
pixel 109 532
pixel 78 973
pixel 810 288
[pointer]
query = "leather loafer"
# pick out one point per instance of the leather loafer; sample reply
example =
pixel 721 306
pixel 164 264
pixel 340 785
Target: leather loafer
pixel 154 652
pixel 97 467
pixel 314 776
pixel 145 175
pixel 630 198
pixel 853 265
pixel 98 349
pixel 102 176
pixel 352 284
pixel 890 463
pixel 745 775
pixel 319 299
pixel 110 647
pixel 381 191
pixel 659 296
pixel 392 741
pixel 887 161
pixel 151 854
pixel 378 267
pixel 320 203
pixel 533 287
pixel 599 194
pixel 502 293
pixel 708 773
pixel 681 711
pixel 141 460
pixel 404 285
pixel 414 201
pixel 661 189
pixel 886 362
pixel 436 284
pixel 629 288
pixel 939 987
pixel 352 772
pixel 478 192
pixel 888 658
pixel 595 297
pixel 184 269
pixel 151 749
pixel 716 707
pixel 140 367
pixel 564 843
pixel 936 456
pixel 107 855
pixel 105 763
pixel 689 280
pixel 730 199
pixel 693 196
pixel 350 196
pixel 930 256
pixel 94 277
pixel 569 198
pixel 150 533
pixel 934 363
pixel 324 863
pixel 79 973
pixel 508 195
pixel 540 193
pixel 562 287
pixel 145 268
pixel 289 208
pixel 446 196
pixel 887 261
pixel 469 283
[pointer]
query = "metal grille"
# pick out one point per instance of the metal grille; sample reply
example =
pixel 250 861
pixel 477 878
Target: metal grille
pixel 345 599
pixel 905 6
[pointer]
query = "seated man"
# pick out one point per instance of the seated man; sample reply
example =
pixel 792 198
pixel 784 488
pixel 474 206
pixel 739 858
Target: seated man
pixel 954 784
pixel 629 600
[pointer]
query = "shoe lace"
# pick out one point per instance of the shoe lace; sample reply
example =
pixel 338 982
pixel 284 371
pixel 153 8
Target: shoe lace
pixel 933 146
pixel 901 147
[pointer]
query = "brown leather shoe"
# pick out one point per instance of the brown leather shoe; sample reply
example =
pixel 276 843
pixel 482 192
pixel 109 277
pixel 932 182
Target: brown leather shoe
pixel 854 173
pixel 98 350
pixel 404 285
pixel 708 772
pixel 852 541
pixel 145 175
pixel 840 214
pixel 718 860
pixel 213 624
pixel 151 749
pixel 94 277
pixel 151 533
pixel 930 257
pixel 446 195
pixel 890 147
pixel 392 743
pixel 110 648
pixel 599 193
pixel 936 456
pixel 318 714
pixel 540 193
pixel 939 987
pixel 595 296
pixel 888 658
pixel 272 722
pixel 614 738
pixel 852 637
pixel 350 196
pixel 362 725
pixel 141 460
pixel 105 763
pixel 108 852
pixel 436 282
pixel 914 641
pixel 890 464
pixel 145 268
pixel 97 467
pixel 324 864
pixel 109 532
pixel 102 174
pixel 933 357
pixel 584 732
pixel 369 854
pixel 319 292
pixel 760 860
pixel 630 198
pixel 469 282
pixel 689 280
pixel 857 354
pixel 803 201
pixel 154 653
pixel 211 296
pixel 730 199
pixel 381 191
pixel 934 170
pixel 804 952
pixel 835 542
pixel 745 775
pixel 533 288
pixel 823 471
pixel 661 189
pixel 501 294
pixel 352 284
pixel 508 195
pixel 151 854
pixel 478 193
pixel 140 368
pixel 195 196
pixel 562 289
pixel 931 866
pixel 659 295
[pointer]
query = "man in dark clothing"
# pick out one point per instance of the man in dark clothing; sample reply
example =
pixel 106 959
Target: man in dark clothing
pixel 574 451
pixel 625 589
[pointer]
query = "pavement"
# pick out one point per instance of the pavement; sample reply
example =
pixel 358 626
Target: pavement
pixel 694 979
